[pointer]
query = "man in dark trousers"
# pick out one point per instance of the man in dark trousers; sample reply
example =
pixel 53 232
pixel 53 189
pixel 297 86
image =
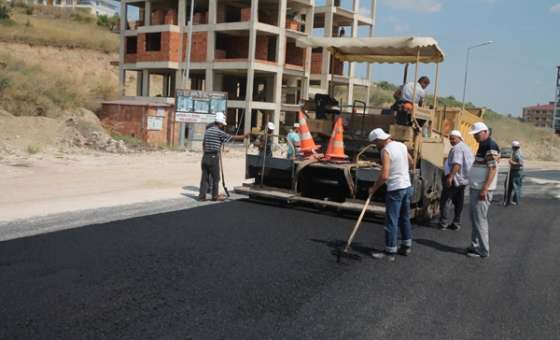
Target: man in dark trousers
pixel 515 175
pixel 214 138
pixel 455 179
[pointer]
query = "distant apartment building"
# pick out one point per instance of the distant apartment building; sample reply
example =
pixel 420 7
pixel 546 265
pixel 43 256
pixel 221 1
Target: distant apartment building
pixel 246 48
pixel 540 115
pixel 94 7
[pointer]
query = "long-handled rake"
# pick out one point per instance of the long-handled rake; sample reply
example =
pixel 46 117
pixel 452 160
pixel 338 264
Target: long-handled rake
pixel 340 253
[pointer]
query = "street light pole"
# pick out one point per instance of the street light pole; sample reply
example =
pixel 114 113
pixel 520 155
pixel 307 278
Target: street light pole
pixel 467 69
pixel 186 73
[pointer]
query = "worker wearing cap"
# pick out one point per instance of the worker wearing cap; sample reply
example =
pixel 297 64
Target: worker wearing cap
pixel 293 142
pixel 482 182
pixel 261 141
pixel 395 174
pixel 455 179
pixel 214 138
pixel 515 175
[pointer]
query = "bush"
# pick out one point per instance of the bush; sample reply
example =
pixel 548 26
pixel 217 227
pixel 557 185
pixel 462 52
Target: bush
pixel 5 11
pixel 33 149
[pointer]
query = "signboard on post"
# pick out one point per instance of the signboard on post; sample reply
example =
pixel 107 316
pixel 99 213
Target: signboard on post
pixel 193 106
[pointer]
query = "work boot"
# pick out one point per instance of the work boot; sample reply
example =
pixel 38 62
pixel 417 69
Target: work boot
pixel 201 199
pixel 383 255
pixel 442 226
pixel 455 226
pixel 404 251
pixel 219 198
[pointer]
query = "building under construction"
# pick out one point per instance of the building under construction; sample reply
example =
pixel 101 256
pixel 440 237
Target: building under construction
pixel 246 48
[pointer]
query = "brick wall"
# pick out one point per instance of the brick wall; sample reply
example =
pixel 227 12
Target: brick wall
pixel 316 61
pixel 167 52
pixel 131 120
pixel 198 48
pixel 294 55
pixel 261 51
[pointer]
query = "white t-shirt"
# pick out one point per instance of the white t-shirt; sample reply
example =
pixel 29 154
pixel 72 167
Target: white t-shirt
pixel 408 92
pixel 398 171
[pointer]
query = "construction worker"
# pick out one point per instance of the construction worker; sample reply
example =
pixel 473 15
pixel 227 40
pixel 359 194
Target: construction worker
pixel 482 182
pixel 515 175
pixel 395 173
pixel 260 142
pixel 293 142
pixel 455 179
pixel 406 97
pixel 214 138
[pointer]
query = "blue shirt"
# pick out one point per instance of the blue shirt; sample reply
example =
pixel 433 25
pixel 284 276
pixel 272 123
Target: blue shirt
pixel 293 138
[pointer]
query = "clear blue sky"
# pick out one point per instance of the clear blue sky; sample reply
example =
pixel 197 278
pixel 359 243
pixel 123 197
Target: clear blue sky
pixel 518 70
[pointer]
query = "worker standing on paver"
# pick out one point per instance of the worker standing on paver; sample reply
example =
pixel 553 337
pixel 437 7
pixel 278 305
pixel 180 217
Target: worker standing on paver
pixel 293 142
pixel 482 181
pixel 395 173
pixel 515 175
pixel 214 138
pixel 266 138
pixel 455 179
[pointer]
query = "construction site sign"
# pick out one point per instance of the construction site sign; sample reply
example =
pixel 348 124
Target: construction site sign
pixel 199 106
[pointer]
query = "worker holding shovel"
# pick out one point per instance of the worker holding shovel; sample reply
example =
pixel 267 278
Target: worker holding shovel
pixel 395 173
pixel 214 138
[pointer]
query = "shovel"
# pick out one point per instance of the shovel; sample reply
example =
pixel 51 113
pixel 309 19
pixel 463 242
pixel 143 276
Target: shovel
pixel 340 253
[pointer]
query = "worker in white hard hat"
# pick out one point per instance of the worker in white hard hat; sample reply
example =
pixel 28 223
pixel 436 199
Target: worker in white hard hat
pixel 515 175
pixel 294 141
pixel 483 177
pixel 395 174
pixel 455 179
pixel 214 138
pixel 266 139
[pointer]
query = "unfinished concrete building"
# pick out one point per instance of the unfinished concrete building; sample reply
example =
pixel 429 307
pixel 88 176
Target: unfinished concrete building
pixel 246 48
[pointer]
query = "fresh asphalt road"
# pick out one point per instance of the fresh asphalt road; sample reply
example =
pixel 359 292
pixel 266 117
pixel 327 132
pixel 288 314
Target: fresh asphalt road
pixel 242 270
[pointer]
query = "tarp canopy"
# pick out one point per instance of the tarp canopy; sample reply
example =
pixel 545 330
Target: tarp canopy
pixel 400 50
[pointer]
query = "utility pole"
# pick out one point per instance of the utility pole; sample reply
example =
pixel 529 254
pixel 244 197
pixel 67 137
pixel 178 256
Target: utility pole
pixel 186 72
pixel 556 113
pixel 467 69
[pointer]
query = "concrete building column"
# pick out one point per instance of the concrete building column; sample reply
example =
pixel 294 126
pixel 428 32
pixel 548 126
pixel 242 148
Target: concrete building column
pixel 251 70
pixel 281 60
pixel 181 21
pixel 147 13
pixel 211 45
pixel 122 74
pixel 352 66
pixel 145 83
pixel 139 81
pixel 326 56
pixel 309 19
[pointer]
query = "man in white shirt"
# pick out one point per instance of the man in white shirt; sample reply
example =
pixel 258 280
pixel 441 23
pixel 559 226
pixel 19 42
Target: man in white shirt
pixel 395 173
pixel 405 97
pixel 455 179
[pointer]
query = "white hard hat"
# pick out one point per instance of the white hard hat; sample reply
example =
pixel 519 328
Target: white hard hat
pixel 270 126
pixel 515 144
pixel 456 133
pixel 478 127
pixel 220 118
pixel 378 134
pixel 296 125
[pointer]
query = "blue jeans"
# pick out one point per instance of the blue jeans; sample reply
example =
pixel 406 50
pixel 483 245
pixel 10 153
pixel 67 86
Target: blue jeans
pixel 398 218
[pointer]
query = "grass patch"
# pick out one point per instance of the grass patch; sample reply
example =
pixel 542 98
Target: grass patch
pixel 130 141
pixel 33 149
pixel 57 27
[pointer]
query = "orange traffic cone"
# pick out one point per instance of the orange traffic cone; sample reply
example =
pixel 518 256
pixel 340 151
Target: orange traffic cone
pixel 335 150
pixel 307 145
